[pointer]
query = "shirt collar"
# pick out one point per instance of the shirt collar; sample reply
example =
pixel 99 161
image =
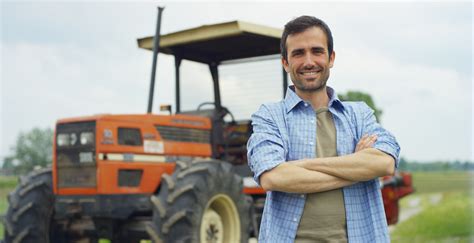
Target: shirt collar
pixel 292 99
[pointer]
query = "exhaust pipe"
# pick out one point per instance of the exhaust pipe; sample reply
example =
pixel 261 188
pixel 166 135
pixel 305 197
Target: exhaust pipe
pixel 156 48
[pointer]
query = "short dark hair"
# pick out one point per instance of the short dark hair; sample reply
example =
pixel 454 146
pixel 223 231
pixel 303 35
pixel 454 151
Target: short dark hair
pixel 301 24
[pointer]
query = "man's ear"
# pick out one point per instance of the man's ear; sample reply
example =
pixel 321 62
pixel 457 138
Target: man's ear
pixel 285 65
pixel 331 59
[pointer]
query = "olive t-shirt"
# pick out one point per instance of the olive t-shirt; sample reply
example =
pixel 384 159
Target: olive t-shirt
pixel 324 215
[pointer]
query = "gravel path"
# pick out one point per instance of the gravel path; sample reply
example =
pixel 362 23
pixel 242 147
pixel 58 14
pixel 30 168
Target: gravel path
pixel 415 206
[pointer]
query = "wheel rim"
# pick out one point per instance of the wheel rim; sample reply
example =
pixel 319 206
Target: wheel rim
pixel 220 222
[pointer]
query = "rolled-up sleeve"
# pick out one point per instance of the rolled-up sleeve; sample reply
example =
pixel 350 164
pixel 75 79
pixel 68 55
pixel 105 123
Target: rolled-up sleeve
pixel 386 142
pixel 265 148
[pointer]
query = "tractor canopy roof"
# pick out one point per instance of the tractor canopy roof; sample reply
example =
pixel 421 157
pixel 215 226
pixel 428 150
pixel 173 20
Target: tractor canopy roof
pixel 219 42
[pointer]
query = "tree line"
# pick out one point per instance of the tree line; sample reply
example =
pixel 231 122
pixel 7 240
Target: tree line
pixel 454 165
pixel 32 149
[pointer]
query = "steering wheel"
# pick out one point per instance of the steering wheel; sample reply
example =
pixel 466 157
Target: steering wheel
pixel 221 113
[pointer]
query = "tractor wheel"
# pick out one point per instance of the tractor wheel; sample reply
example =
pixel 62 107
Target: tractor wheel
pixel 30 211
pixel 201 202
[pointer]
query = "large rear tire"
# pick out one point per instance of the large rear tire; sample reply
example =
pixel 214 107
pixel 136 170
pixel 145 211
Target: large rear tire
pixel 201 202
pixel 30 212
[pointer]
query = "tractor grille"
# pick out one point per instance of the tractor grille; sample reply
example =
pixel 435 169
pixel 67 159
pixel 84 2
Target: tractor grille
pixel 76 159
pixel 182 134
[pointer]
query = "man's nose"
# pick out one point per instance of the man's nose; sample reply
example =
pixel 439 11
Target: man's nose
pixel 308 61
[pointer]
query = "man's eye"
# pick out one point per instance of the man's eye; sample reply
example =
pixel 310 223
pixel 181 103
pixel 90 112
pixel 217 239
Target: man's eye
pixel 295 54
pixel 318 52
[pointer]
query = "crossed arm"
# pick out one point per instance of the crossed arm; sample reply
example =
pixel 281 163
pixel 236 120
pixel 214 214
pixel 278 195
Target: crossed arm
pixel 323 174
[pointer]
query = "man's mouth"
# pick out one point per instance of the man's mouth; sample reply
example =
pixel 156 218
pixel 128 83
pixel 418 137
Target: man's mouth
pixel 310 73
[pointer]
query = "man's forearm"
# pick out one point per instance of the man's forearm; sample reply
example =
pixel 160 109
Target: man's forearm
pixel 288 177
pixel 363 165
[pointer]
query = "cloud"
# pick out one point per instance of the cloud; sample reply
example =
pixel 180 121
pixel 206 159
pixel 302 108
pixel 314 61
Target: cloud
pixel 427 108
pixel 44 82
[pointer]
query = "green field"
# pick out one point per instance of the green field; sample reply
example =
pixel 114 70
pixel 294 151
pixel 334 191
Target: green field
pixel 7 184
pixel 448 221
pixel 434 182
pixel 451 220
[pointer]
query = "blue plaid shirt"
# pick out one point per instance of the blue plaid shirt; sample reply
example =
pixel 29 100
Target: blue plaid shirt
pixel 286 131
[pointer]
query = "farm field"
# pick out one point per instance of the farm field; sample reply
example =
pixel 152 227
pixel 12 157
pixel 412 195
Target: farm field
pixel 434 182
pixel 450 220
pixel 7 184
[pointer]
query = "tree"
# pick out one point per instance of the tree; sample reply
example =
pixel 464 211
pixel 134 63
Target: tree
pixel 360 96
pixel 33 148
pixel 403 164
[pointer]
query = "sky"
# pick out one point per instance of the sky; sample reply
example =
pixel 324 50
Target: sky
pixel 68 59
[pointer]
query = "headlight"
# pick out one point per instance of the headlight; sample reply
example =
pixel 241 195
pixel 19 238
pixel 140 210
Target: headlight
pixel 87 138
pixel 86 157
pixel 73 139
pixel 63 139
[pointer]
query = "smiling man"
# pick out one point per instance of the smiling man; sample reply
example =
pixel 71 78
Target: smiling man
pixel 319 158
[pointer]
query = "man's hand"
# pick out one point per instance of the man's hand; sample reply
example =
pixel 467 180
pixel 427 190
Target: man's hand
pixel 366 142
pixel 364 164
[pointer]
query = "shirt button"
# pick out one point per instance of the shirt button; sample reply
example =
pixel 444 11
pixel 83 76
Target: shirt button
pixel 311 143
pixel 294 219
pixel 302 195
pixel 305 104
pixel 312 121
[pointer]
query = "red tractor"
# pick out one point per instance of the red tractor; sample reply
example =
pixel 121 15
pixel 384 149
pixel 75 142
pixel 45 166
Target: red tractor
pixel 394 188
pixel 181 177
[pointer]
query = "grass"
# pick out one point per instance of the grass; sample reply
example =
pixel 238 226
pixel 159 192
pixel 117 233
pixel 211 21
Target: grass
pixel 451 220
pixel 7 184
pixel 427 183
pixel 435 182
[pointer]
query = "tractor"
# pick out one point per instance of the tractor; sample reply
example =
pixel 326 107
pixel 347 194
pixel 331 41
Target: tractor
pixel 177 177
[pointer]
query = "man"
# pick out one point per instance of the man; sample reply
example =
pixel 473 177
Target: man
pixel 319 158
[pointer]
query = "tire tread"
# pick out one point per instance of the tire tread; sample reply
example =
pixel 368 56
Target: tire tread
pixel 30 187
pixel 192 170
pixel 158 205
pixel 179 205
pixel 30 212
pixel 177 193
pixel 21 211
pixel 172 220
pixel 169 181
pixel 18 238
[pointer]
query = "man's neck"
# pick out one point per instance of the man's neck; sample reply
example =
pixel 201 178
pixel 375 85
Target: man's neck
pixel 318 98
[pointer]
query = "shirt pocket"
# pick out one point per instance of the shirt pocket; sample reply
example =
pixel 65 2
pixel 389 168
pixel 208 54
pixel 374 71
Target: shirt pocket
pixel 347 135
pixel 302 143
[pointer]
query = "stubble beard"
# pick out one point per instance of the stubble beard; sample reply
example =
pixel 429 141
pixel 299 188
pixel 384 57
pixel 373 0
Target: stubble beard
pixel 321 84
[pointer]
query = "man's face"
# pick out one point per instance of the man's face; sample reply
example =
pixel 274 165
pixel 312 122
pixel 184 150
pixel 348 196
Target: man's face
pixel 308 59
